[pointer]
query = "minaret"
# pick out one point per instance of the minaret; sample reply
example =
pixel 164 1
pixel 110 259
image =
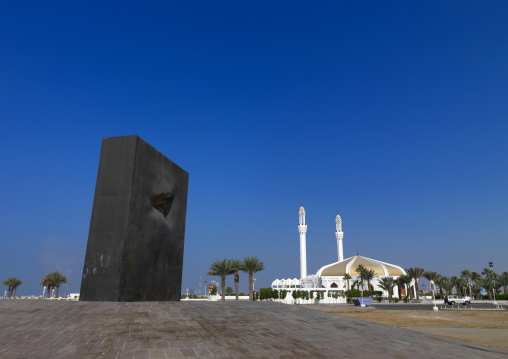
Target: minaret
pixel 339 235
pixel 302 228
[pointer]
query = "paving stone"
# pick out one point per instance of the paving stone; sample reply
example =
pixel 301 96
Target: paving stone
pixel 106 330
pixel 173 353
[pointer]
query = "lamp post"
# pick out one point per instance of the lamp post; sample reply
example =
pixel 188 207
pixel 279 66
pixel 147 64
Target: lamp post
pixel 491 265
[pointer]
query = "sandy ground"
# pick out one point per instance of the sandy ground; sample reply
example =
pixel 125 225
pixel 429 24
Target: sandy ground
pixel 489 328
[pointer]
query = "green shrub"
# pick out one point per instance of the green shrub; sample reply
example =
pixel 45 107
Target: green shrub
pixel 396 300
pixel 268 293
pixel 366 293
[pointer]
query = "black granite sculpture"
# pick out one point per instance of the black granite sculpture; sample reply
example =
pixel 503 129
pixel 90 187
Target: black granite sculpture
pixel 137 229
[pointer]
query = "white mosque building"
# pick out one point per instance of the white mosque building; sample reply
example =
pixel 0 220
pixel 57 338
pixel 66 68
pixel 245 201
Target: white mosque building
pixel 331 276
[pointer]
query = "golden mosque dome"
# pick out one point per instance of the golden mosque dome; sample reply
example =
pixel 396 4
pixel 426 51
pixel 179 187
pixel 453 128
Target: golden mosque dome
pixel 339 269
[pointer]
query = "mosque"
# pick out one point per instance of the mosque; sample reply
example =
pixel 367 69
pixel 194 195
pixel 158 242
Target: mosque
pixel 331 276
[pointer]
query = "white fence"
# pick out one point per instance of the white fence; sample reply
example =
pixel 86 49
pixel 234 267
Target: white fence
pixel 328 295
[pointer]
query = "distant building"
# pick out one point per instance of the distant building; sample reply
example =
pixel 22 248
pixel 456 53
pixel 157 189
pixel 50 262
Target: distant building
pixel 331 276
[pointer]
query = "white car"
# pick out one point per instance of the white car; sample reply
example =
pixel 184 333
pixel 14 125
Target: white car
pixel 457 299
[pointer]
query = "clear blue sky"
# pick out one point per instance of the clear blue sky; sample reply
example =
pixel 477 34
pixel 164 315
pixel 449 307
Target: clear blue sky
pixel 394 113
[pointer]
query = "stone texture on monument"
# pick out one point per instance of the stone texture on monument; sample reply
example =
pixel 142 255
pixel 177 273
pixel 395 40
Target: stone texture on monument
pixel 137 229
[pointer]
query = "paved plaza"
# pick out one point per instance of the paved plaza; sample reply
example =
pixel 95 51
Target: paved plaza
pixel 62 329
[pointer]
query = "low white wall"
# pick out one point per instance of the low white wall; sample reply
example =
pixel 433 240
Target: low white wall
pixel 326 300
pixel 214 298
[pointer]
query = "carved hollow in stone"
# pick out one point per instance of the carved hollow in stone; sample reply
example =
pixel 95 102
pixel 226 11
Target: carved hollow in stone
pixel 162 202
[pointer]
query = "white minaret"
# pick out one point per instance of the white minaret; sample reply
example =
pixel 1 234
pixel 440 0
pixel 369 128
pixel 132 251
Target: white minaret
pixel 302 228
pixel 339 235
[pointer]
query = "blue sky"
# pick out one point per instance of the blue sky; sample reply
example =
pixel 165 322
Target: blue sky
pixel 393 113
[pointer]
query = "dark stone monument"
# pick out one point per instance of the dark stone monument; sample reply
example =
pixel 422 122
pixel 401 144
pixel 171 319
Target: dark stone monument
pixel 137 229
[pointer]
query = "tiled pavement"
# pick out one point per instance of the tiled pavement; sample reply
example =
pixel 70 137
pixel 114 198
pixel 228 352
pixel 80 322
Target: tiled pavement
pixel 58 329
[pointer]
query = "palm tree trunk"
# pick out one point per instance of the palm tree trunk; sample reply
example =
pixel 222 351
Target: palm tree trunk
pixel 14 293
pixel 417 293
pixel 56 292
pixel 223 288
pixel 9 294
pixel 390 295
pixel 237 279
pixel 49 291
pixel 251 287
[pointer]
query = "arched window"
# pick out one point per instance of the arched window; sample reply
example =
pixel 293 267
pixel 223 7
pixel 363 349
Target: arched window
pixel 334 285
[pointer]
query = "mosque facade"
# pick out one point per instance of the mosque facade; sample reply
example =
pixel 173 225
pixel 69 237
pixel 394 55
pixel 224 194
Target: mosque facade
pixel 333 276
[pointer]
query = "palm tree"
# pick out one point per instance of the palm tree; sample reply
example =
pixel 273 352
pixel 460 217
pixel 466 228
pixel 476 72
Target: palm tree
pixel 446 284
pixel 9 283
pixel 369 275
pixel 462 285
pixel 222 269
pixel 415 274
pixel 15 284
pixel 455 283
pixel 490 274
pixel 361 271
pixel 356 284
pixel 487 272
pixel 406 280
pixel 476 291
pixel 46 282
pixel 251 265
pixel 12 284
pixel 503 280
pixel 475 276
pixel 488 284
pixel 466 274
pixel 400 282
pixel 236 267
pixel 54 280
pixel 347 278
pixel 387 283
pixel 431 276
pixel 57 279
